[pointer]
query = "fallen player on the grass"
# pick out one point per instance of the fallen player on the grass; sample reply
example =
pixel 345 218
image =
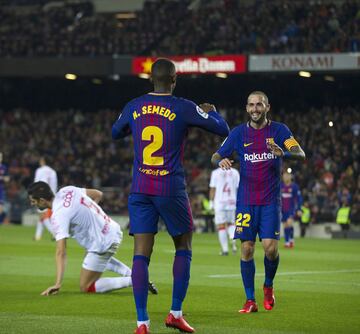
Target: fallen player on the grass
pixel 76 213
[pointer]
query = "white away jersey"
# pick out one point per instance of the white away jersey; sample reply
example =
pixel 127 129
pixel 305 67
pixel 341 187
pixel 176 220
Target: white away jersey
pixel 76 215
pixel 48 175
pixel 226 183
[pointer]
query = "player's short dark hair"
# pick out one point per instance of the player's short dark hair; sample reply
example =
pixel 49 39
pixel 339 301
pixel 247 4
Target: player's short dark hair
pixel 39 190
pixel 45 157
pixel 163 70
pixel 261 93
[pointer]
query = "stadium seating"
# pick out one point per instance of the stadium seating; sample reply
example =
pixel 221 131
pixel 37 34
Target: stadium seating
pixel 214 27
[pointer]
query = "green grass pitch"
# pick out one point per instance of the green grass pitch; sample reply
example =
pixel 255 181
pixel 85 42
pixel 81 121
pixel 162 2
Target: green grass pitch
pixel 317 289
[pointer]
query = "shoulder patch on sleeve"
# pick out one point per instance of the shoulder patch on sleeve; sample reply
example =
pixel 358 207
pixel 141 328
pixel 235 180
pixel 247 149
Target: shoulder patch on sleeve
pixel 202 113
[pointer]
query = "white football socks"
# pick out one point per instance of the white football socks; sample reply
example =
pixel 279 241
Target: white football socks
pixel 118 267
pixel 39 231
pixel 176 314
pixel 106 284
pixel 231 231
pixel 146 322
pixel 223 238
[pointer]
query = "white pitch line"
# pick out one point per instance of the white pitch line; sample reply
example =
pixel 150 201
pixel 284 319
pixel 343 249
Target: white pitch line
pixel 294 273
pixel 321 282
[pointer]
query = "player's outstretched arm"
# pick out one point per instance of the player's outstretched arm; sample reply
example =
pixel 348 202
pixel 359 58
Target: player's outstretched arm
pixel 121 128
pixel 205 116
pixel 223 163
pixel 60 268
pixel 119 132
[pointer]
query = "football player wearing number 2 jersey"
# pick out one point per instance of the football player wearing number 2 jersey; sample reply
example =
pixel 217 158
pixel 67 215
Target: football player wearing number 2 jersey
pixel 159 123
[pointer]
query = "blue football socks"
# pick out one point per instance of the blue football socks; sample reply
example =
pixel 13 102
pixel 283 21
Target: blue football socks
pixel 270 270
pixel 287 231
pixel 181 274
pixel 248 277
pixel 291 233
pixel 140 281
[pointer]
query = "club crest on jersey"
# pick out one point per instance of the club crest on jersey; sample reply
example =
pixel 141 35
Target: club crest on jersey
pixel 259 157
pixel 270 141
pixel 202 113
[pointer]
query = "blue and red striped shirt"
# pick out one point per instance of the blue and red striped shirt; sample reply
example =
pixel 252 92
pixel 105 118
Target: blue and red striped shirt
pixel 290 197
pixel 260 170
pixel 159 124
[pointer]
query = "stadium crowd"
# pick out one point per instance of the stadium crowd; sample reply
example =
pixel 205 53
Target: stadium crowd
pixel 79 147
pixel 228 26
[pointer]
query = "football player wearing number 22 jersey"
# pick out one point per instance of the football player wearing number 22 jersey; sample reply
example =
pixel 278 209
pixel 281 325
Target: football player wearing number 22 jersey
pixel 260 144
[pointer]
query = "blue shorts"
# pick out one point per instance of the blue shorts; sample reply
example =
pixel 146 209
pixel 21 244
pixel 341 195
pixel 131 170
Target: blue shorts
pixel 263 220
pixel 145 210
pixel 286 215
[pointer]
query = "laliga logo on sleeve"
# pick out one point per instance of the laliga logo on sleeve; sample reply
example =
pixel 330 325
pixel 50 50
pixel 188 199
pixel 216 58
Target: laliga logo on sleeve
pixel 201 112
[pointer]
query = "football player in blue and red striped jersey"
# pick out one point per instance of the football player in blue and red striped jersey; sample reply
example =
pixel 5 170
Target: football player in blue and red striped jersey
pixel 4 178
pixel 260 144
pixel 159 123
pixel 291 201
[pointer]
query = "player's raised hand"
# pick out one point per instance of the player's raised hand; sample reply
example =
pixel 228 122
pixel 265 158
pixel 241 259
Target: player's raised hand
pixel 275 149
pixel 207 107
pixel 225 163
pixel 52 290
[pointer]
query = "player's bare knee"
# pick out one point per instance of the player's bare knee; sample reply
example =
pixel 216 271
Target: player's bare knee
pixel 144 247
pixel 221 227
pixel 183 241
pixel 247 251
pixel 271 252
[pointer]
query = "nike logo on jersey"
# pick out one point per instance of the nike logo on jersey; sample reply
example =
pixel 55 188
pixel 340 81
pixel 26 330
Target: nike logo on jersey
pixel 247 144
pixel 277 233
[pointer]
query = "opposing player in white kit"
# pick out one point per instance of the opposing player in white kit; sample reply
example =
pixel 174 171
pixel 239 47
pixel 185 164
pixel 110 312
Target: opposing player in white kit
pixel 48 175
pixel 77 214
pixel 223 190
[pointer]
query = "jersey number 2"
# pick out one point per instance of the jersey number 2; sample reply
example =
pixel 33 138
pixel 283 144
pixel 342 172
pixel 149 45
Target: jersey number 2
pixel 156 136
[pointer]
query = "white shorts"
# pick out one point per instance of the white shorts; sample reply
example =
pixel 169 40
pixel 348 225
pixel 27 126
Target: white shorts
pixel 97 262
pixel 224 216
